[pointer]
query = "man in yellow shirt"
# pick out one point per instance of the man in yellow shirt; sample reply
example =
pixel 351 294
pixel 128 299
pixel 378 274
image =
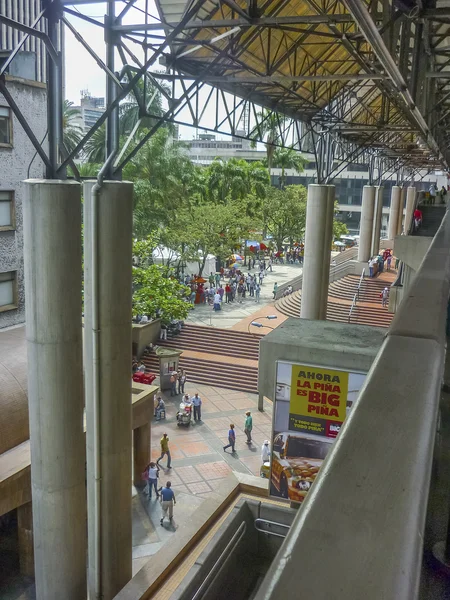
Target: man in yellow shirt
pixel 165 450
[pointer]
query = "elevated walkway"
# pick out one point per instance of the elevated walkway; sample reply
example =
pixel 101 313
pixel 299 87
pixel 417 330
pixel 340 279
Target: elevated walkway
pixel 431 221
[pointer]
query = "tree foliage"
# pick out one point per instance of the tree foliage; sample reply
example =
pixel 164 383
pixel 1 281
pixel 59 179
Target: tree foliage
pixel 288 158
pixel 154 291
pixel 284 213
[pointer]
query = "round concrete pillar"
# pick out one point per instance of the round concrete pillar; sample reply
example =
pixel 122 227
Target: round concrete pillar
pixel 393 212
pixel 317 209
pixel 52 257
pixel 327 240
pixel 107 342
pixel 410 205
pixel 366 223
pixel 378 213
pixel 400 211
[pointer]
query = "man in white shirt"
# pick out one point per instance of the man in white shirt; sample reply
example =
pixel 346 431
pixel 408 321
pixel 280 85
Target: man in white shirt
pixel 217 301
pixel 265 452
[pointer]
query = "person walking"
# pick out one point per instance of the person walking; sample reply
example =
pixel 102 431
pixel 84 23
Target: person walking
pixel 248 426
pixel 197 403
pixel 160 407
pixel 388 262
pixel 257 292
pixel 152 481
pixel 384 296
pixel 261 277
pixel 231 439
pixel 167 501
pixel 269 265
pixel 173 383
pixel 265 452
pixel 164 443
pixel 217 301
pixel 227 293
pixel 275 290
pixel 182 377
pixel 163 332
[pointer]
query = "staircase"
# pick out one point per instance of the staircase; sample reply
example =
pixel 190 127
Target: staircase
pixel 431 220
pixel 368 310
pixel 214 356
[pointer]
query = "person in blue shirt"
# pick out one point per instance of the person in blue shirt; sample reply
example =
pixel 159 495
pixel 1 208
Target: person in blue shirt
pixel 197 403
pixel 231 439
pixel 167 501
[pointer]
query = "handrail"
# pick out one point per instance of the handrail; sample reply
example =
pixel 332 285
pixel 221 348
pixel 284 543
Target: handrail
pixel 220 562
pixel 260 521
pixel 356 296
pixel 363 522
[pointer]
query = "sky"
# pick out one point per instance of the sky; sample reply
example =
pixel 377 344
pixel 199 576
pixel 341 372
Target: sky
pixel 83 73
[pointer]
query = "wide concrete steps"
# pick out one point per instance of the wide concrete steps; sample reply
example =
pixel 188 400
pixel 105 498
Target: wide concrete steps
pixel 214 340
pixel 345 288
pixel 214 356
pixel 432 218
pixel 339 311
pixel 214 373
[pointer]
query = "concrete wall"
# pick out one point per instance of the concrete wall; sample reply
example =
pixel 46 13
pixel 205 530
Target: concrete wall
pixel 411 249
pixel 325 343
pixel 142 335
pixel 14 168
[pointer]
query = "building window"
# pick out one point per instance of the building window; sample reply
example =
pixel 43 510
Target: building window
pixel 7 211
pixel 5 126
pixel 8 291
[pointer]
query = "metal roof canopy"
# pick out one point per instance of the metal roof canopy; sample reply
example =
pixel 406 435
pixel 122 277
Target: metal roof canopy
pixel 371 74
pixel 346 80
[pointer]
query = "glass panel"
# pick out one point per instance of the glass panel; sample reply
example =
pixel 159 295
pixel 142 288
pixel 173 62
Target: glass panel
pixel 4 111
pixel 6 293
pixel 4 130
pixel 5 213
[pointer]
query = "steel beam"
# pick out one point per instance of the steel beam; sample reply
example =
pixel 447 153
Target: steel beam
pixel 372 36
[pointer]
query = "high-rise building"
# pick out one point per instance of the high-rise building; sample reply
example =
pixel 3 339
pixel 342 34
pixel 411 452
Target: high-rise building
pixel 91 109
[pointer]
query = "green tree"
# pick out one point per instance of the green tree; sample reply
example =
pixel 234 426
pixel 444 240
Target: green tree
pixel 269 127
pixel 339 228
pixel 235 179
pixel 129 110
pixel 288 158
pixel 284 213
pixel 95 147
pixel 72 130
pixel 154 291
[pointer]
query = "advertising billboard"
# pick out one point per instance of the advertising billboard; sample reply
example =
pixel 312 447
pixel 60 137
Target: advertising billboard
pixel 311 403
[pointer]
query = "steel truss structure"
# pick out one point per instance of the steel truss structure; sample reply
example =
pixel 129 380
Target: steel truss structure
pixel 348 80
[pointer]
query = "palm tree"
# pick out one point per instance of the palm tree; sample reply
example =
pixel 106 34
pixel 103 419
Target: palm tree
pixel 129 108
pixel 268 126
pixel 95 148
pixel 72 129
pixel 288 158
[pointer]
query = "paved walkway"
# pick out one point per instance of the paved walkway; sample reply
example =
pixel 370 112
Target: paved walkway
pixel 233 313
pixel 198 460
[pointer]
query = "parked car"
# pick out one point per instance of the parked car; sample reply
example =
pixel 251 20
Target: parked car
pixel 296 460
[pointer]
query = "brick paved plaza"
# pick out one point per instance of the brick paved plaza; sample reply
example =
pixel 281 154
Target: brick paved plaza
pixel 199 463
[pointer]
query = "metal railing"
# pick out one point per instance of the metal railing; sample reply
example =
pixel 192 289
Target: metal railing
pixel 356 296
pixel 269 527
pixel 360 531
pixel 220 563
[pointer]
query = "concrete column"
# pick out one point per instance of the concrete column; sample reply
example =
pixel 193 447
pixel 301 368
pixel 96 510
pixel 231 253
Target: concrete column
pixel 141 451
pixel 25 539
pixel 410 205
pixel 378 214
pixel 52 256
pixel 401 209
pixel 366 224
pixel 108 384
pixel 317 209
pixel 393 212
pixel 327 239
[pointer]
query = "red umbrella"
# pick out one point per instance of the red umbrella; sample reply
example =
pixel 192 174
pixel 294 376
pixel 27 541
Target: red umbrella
pixel 263 246
pixel 252 248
